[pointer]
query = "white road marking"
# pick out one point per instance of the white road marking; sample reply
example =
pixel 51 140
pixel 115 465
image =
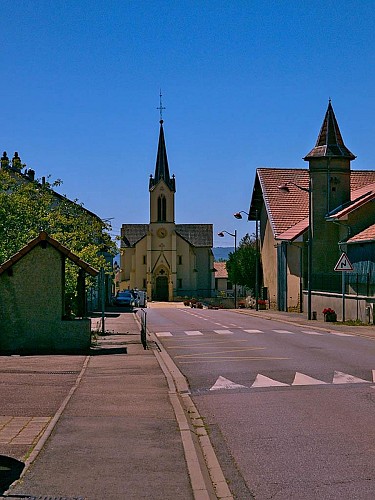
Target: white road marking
pixel 193 332
pixel 223 332
pixel 373 375
pixel 283 331
pixel 309 332
pixel 345 378
pixel 224 383
pixel 262 381
pixel 341 334
pixel 301 379
pixel 163 334
pixel 253 331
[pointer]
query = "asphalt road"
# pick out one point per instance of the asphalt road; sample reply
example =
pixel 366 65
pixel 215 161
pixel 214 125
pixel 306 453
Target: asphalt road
pixel 290 410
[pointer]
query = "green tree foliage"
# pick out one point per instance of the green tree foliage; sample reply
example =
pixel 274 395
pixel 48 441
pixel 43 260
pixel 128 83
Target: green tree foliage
pixel 242 263
pixel 28 207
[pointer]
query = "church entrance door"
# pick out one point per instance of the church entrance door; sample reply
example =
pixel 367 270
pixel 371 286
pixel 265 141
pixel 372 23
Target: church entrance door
pixel 162 288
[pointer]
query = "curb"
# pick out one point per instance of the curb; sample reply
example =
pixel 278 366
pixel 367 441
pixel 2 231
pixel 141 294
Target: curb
pixel 183 405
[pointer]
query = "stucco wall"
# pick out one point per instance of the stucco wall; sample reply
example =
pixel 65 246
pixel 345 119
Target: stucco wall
pixel 31 306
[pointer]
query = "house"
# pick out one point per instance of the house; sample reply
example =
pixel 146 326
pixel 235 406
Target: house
pixel 166 259
pixel 222 285
pixel 33 314
pixel 337 205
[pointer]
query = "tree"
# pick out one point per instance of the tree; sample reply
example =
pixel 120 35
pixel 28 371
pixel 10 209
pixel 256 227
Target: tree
pixel 241 265
pixel 27 207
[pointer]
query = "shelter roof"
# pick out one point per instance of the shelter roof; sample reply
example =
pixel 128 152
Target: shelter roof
pixel 43 237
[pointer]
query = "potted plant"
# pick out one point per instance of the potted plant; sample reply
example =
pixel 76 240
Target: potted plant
pixel 262 304
pixel 329 315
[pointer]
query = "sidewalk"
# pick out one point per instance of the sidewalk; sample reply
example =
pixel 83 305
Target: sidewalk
pixel 117 436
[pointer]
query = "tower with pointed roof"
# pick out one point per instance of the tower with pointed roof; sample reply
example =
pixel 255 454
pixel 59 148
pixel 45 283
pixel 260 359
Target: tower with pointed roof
pixel 330 172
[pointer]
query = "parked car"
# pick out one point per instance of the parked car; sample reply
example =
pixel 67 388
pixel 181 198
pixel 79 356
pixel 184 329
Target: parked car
pixel 124 298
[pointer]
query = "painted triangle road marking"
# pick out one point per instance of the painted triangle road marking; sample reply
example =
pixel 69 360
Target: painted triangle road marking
pixel 345 378
pixel 224 383
pixel 262 381
pixel 253 331
pixel 163 334
pixel 223 332
pixel 193 332
pixel 302 379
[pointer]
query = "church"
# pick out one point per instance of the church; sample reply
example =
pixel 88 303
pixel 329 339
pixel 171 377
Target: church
pixel 170 261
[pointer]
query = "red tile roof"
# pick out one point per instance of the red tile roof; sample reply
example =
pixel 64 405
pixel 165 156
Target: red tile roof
pixel 365 236
pixel 43 236
pixel 221 270
pixel 359 198
pixel 288 210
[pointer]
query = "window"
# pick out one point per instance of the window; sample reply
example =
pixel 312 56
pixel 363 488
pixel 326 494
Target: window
pixel 162 208
pixel 179 283
pixel 179 259
pixel 229 285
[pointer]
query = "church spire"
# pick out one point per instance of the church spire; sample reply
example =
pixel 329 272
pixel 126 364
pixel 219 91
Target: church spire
pixel 330 142
pixel 161 167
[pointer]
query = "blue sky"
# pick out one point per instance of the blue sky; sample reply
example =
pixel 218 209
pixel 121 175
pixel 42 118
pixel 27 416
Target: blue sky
pixel 245 85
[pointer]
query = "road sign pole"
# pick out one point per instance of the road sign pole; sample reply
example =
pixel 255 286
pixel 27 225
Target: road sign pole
pixel 343 294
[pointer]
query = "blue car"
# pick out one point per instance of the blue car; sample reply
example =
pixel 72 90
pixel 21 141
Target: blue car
pixel 125 299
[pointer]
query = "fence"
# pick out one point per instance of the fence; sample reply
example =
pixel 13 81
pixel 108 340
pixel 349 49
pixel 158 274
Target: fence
pixel 355 283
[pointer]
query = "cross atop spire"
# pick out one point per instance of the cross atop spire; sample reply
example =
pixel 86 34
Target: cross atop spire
pixel 330 142
pixel 160 108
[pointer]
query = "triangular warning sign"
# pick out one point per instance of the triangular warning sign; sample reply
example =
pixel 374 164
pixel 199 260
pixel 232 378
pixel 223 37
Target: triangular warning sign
pixel 224 383
pixel 343 263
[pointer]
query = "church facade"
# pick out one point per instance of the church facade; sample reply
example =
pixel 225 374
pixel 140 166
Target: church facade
pixel 167 260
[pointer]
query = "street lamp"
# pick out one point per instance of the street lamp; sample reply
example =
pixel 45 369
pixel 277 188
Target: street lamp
pixel 238 215
pixel 285 189
pixel 234 235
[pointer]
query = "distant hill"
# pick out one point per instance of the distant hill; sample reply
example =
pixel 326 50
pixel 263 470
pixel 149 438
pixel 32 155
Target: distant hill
pixel 222 252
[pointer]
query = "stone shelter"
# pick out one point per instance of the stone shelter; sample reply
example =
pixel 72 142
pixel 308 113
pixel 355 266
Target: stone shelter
pixel 33 317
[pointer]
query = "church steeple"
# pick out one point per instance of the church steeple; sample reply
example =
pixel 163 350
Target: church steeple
pixel 330 143
pixel 161 168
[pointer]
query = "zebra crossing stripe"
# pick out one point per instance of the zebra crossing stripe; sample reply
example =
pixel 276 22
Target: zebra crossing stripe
pixel 309 332
pixel 283 331
pixel 163 334
pixel 253 331
pixel 223 332
pixel 193 332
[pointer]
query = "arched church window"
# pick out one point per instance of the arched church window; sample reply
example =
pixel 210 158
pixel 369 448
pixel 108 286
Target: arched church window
pixel 162 208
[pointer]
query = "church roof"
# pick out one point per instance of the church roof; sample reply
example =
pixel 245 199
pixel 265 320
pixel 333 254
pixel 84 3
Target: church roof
pixel 330 142
pixel 161 167
pixel 198 235
pixel 43 237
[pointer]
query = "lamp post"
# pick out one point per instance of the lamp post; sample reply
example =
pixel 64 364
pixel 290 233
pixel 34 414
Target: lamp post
pixel 309 190
pixel 238 215
pixel 234 235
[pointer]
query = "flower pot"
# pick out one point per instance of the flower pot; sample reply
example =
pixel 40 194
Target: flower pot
pixel 262 307
pixel 330 317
